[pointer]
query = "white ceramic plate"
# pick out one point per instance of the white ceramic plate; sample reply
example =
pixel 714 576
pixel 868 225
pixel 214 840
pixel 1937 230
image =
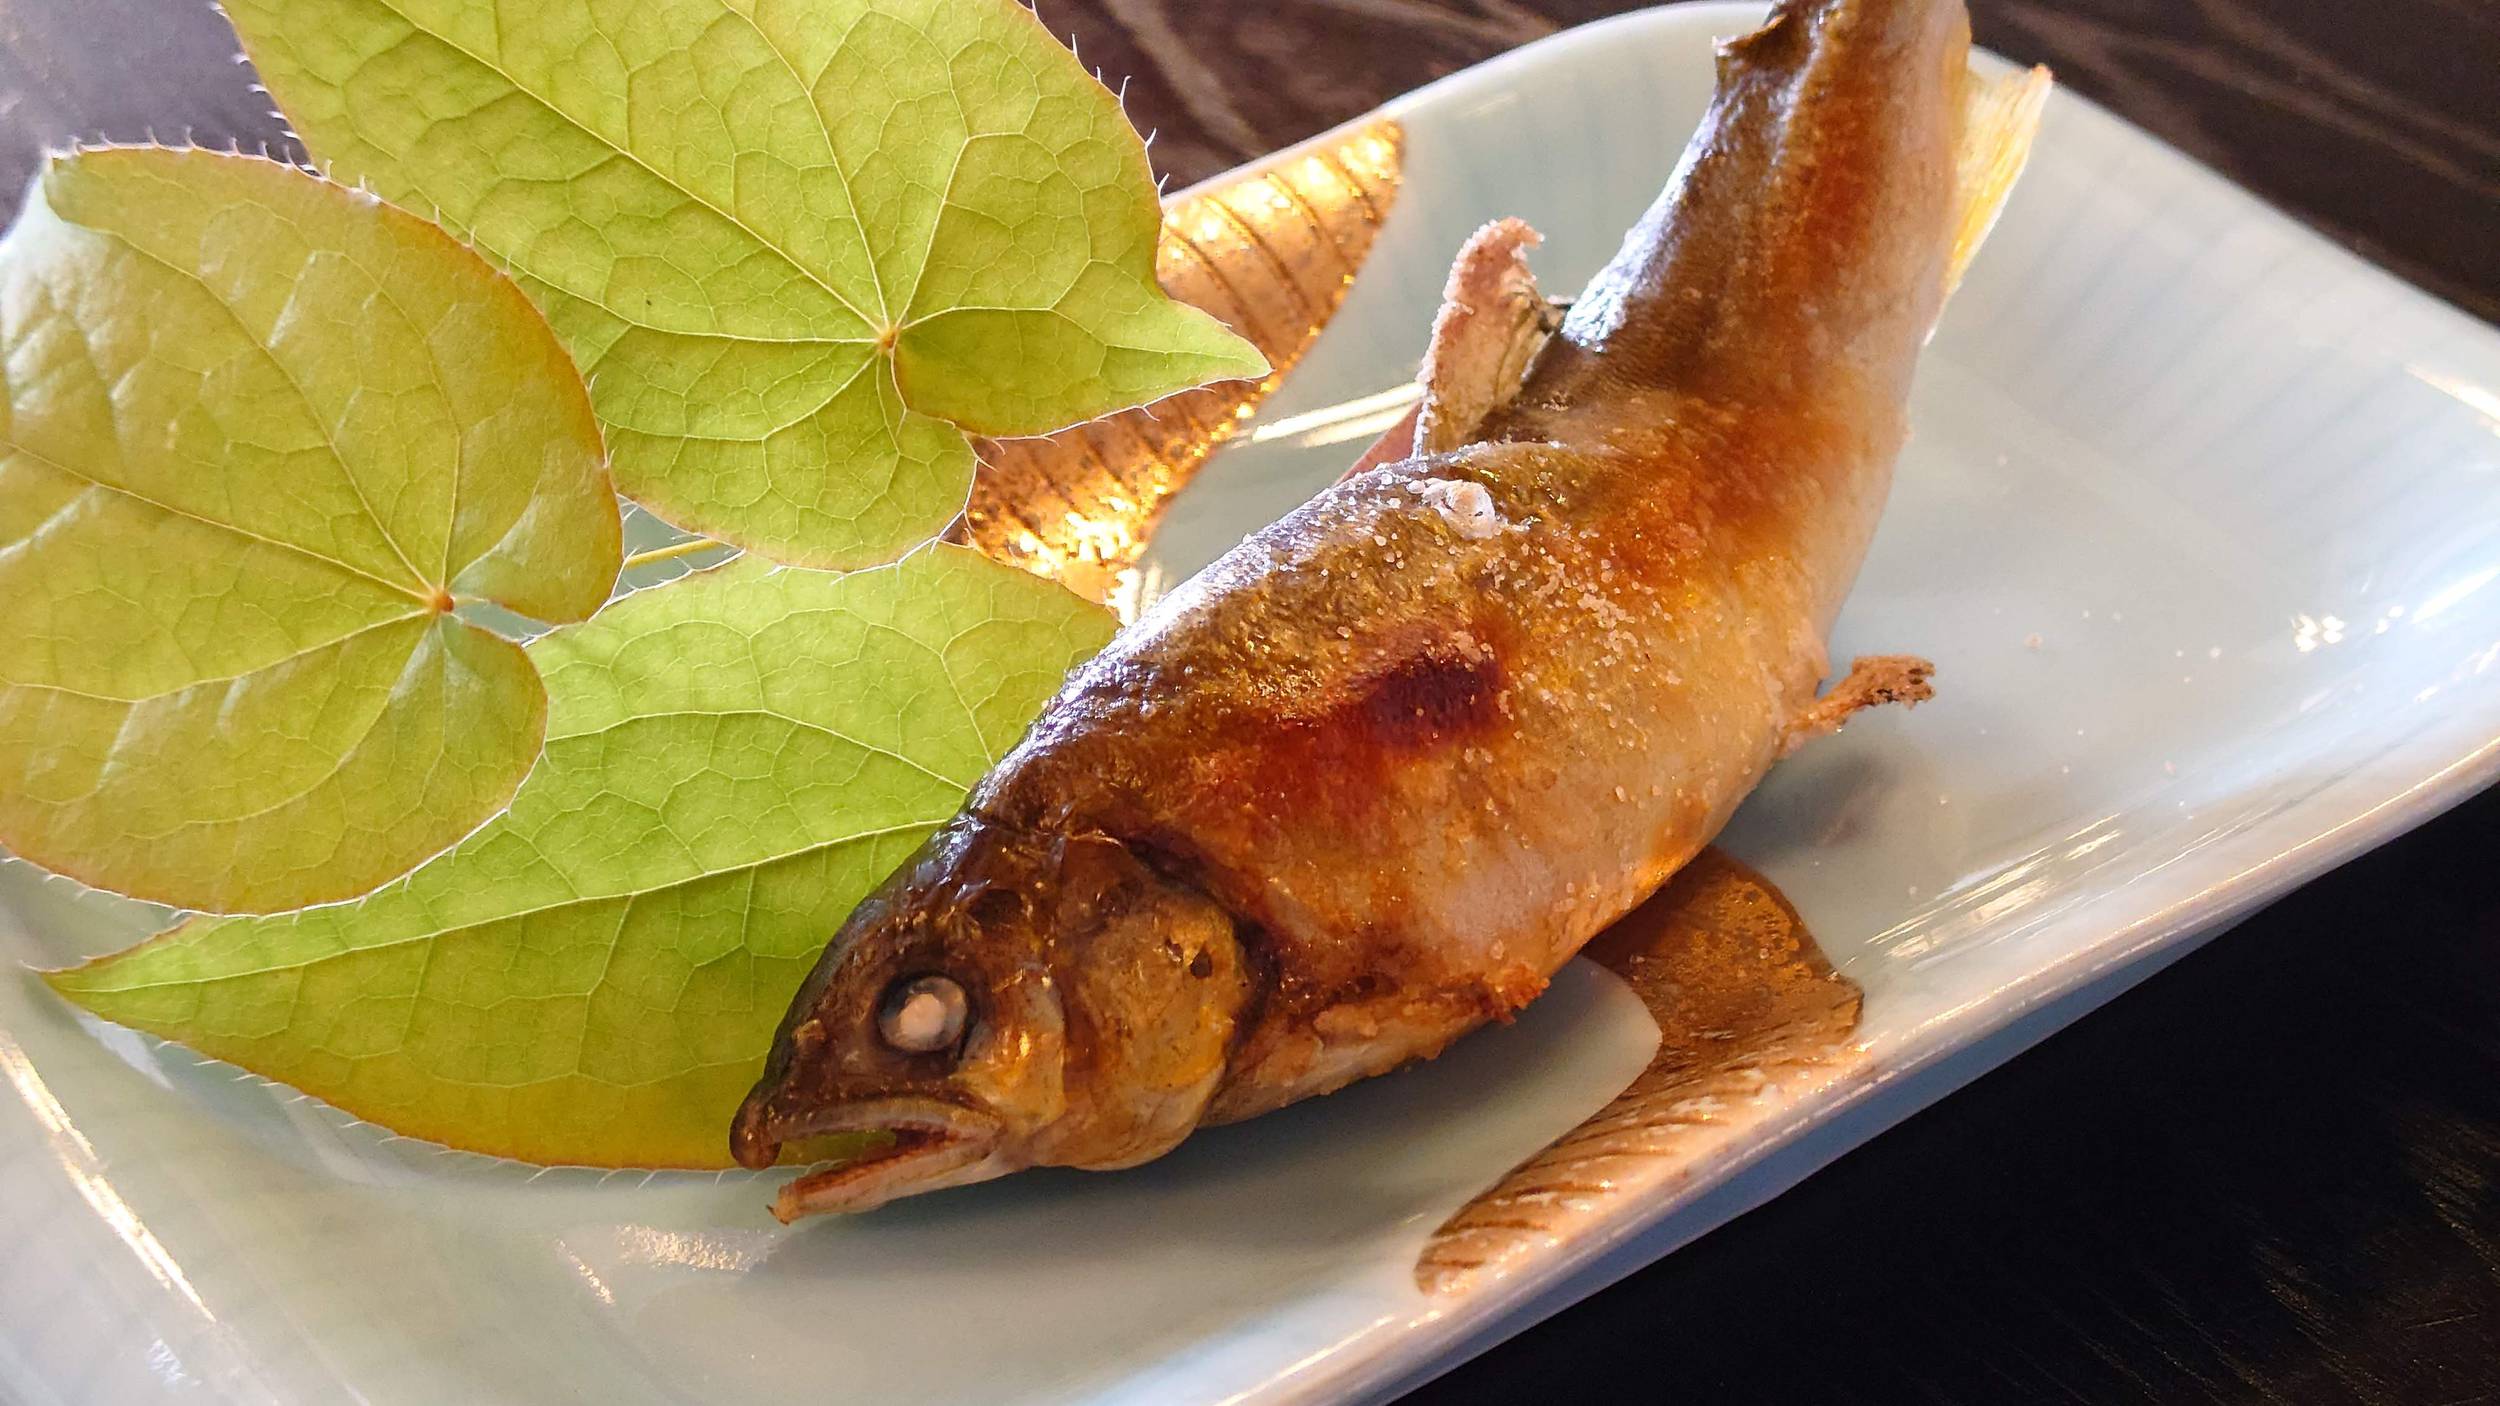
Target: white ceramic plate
pixel 2238 485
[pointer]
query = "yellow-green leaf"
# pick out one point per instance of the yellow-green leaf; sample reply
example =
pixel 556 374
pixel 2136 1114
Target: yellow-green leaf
pixel 258 433
pixel 733 761
pixel 800 247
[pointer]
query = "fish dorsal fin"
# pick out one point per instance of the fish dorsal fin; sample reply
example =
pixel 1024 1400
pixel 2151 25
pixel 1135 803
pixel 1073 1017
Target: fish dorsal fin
pixel 1999 119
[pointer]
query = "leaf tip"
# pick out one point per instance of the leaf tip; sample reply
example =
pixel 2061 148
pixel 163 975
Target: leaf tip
pixel 1230 356
pixel 1252 363
pixel 72 984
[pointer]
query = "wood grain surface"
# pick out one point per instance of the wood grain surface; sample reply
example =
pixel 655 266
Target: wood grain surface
pixel 2272 1174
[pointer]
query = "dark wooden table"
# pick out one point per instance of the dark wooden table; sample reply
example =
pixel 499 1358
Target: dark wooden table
pixel 2270 1174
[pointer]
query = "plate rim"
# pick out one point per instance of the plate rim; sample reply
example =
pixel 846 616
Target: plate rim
pixel 2411 777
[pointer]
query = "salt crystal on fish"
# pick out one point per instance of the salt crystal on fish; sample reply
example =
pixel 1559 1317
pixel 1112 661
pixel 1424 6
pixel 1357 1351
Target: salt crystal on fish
pixel 1465 506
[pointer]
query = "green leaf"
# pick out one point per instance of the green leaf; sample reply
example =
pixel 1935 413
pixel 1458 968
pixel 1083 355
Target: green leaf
pixel 258 433
pixel 800 247
pixel 733 761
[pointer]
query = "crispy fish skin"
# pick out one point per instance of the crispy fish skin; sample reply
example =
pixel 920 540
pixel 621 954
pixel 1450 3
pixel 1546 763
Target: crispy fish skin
pixel 1384 767
pixel 1424 767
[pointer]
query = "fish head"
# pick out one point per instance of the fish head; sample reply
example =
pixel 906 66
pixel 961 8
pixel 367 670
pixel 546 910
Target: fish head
pixel 1007 999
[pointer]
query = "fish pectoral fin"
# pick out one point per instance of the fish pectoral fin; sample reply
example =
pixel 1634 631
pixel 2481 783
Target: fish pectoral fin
pixel 1872 680
pixel 1999 119
pixel 1492 320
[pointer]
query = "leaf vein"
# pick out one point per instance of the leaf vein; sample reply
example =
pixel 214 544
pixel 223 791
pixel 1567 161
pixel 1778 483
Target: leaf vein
pixel 348 569
pixel 278 663
pixel 759 711
pixel 833 158
pixel 364 734
pixel 329 441
pixel 456 930
pixel 761 240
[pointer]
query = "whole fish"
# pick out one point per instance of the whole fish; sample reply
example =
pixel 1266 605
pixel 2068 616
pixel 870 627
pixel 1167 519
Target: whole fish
pixel 1367 781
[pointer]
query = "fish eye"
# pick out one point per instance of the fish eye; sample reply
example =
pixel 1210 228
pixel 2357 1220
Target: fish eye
pixel 923 1014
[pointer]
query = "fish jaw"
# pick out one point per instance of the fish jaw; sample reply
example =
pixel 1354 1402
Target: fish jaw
pixel 932 1145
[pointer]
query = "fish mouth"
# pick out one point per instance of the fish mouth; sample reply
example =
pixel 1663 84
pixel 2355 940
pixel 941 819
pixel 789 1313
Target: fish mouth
pixel 932 1145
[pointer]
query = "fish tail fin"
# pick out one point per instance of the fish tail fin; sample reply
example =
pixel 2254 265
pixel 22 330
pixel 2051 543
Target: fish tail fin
pixel 1795 245
pixel 1493 319
pixel 1999 119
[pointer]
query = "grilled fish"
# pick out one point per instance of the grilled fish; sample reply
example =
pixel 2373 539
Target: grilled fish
pixel 1368 780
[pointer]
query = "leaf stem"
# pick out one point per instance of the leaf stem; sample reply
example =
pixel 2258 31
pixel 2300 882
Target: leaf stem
pixel 671 552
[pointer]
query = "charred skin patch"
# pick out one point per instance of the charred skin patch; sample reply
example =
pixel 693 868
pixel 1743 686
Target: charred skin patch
pixel 1428 698
pixel 1259 775
pixel 1347 758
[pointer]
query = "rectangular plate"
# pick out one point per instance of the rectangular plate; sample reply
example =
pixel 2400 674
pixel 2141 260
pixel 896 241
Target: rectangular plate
pixel 2196 523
